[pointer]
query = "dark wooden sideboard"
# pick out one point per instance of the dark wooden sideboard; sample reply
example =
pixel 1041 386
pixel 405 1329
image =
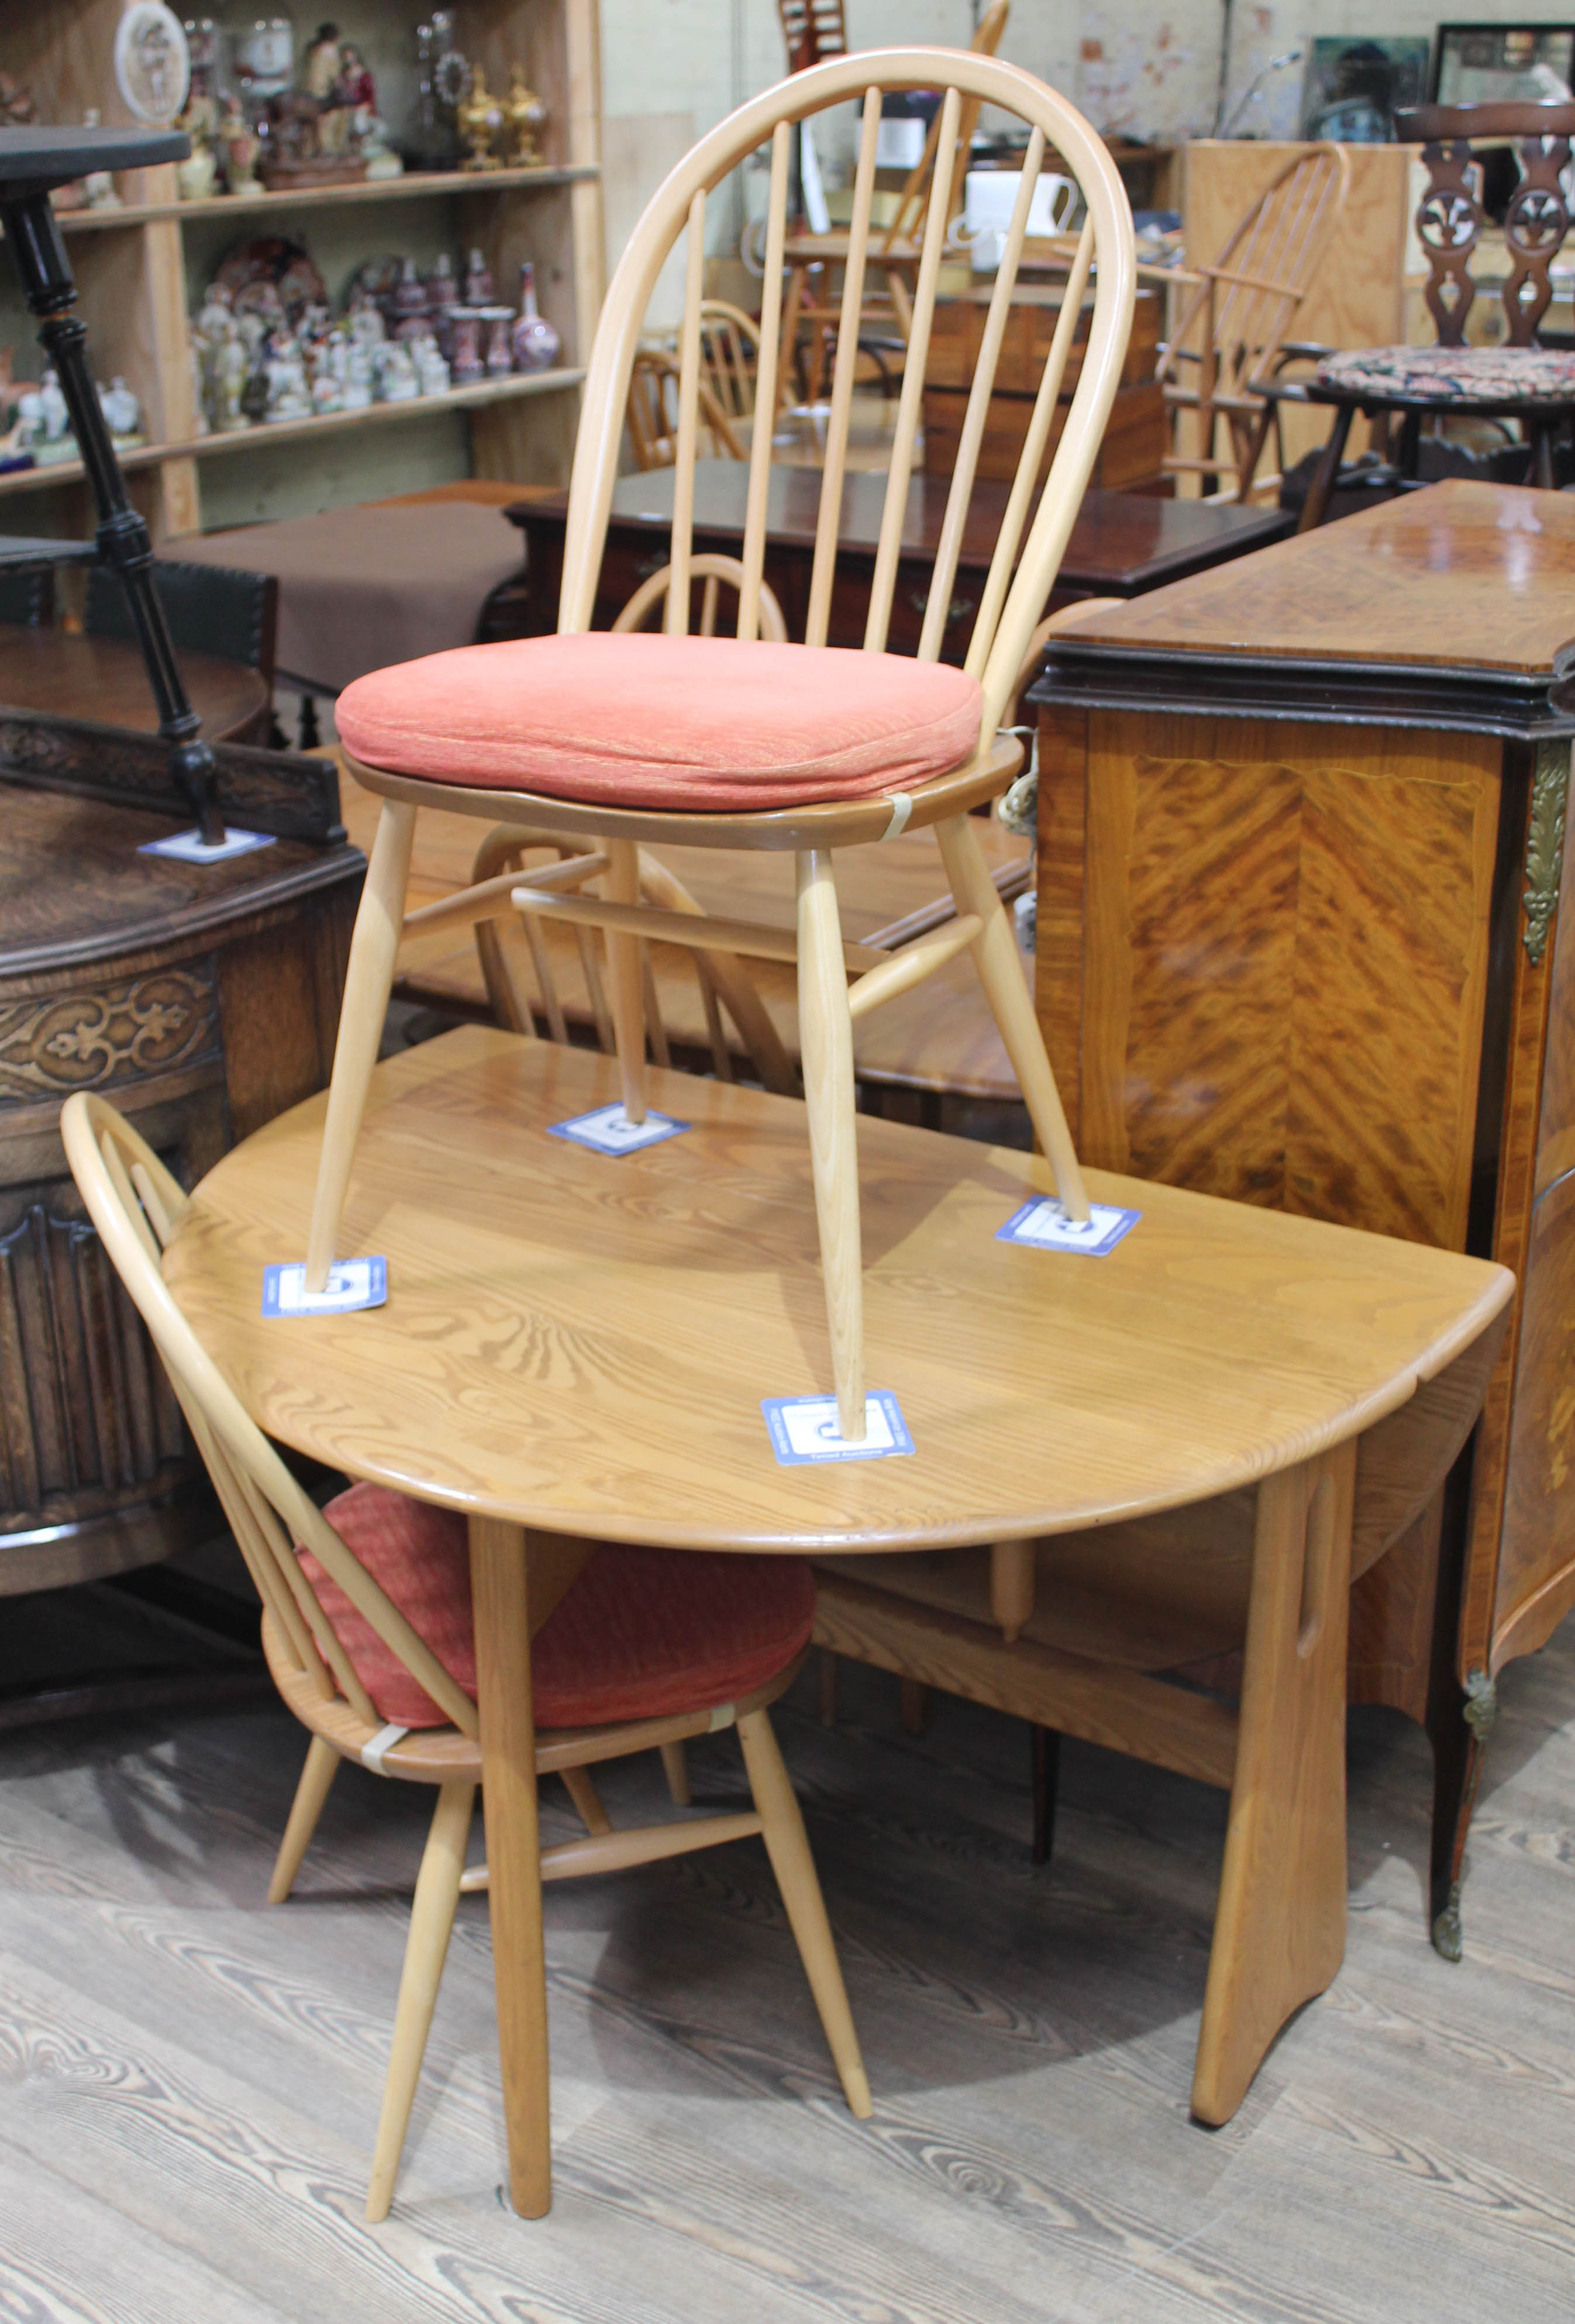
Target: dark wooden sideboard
pixel 1301 835
pixel 1122 543
pixel 201 1000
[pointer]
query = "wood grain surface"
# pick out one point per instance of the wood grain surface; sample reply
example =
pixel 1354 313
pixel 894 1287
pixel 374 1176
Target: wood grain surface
pixel 1466 575
pixel 583 1343
pixel 105 679
pixel 1273 942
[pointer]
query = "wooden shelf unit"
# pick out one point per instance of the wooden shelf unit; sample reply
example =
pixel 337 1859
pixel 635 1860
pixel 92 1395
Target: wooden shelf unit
pixel 132 271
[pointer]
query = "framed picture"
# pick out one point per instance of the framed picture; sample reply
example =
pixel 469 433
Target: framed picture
pixel 1484 64
pixel 1352 86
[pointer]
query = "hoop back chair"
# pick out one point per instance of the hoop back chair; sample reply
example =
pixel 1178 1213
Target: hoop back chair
pixel 799 747
pixel 1241 313
pixel 359 1663
pixel 655 403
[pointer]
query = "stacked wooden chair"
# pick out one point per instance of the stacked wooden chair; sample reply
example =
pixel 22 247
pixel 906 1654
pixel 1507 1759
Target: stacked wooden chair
pixel 367 1628
pixel 620 742
pixel 1234 331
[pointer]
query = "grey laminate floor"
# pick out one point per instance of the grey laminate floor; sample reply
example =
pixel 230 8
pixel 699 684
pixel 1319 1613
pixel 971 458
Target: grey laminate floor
pixel 191 2080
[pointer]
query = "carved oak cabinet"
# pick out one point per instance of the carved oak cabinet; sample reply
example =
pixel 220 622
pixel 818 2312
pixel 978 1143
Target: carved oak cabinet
pixel 1302 833
pixel 201 1000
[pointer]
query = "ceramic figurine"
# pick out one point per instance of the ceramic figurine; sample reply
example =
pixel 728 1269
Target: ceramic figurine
pixel 232 368
pixel 197 175
pixel 44 410
pixel 357 391
pixel 264 58
pixel 397 382
pixel 98 186
pixel 480 116
pixel 16 450
pixel 121 412
pixel 498 354
pixel 465 358
pixel 289 395
pixel 366 323
pixel 524 113
pixel 240 145
pixel 326 392
pixel 534 345
pixel 201 424
pixel 322 74
pixel 410 301
pixel 479 290
pixel 431 370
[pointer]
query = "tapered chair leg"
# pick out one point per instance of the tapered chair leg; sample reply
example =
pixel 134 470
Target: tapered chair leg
pixel 587 1801
pixel 368 982
pixel 426 1949
pixel 825 1033
pixel 322 1764
pixel 624 975
pixel 677 1774
pixel 995 952
pixel 787 1846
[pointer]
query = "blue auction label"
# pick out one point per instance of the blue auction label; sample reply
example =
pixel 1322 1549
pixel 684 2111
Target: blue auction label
pixel 1043 1225
pixel 352 1283
pixel 609 1130
pixel 806 1428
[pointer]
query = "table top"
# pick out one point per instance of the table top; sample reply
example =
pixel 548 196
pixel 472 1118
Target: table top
pixel 74 890
pixel 1122 543
pixel 61 676
pixel 1460 574
pixel 582 1344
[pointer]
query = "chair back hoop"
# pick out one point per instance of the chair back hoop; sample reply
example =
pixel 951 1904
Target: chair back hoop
pixel 135 1205
pixel 1450 218
pixel 913 199
pixel 730 355
pixel 1032 540
pixel 714 570
pixel 653 414
pixel 1246 305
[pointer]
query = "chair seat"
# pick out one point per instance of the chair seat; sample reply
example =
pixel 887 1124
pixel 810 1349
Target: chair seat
pixel 640 1633
pixel 1452 374
pixel 657 722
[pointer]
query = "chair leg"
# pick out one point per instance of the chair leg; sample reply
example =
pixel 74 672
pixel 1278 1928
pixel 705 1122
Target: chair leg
pixel 367 985
pixel 826 1032
pixel 587 1800
pixel 426 1949
pixel 787 1846
pixel 995 954
pixel 322 1764
pixel 677 1774
pixel 624 971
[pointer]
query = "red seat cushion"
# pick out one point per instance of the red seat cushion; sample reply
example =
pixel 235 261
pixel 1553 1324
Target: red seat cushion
pixel 640 1632
pixel 659 721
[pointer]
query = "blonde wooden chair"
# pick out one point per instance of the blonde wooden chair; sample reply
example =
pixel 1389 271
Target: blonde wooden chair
pixel 359 1663
pixel 1233 330
pixel 652 414
pixel 794 747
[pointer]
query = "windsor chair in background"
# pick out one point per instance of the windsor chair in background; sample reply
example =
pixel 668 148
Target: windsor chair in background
pixel 368 1630
pixel 1238 319
pixel 797 747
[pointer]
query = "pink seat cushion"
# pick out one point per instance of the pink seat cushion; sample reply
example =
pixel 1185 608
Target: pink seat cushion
pixel 659 721
pixel 640 1633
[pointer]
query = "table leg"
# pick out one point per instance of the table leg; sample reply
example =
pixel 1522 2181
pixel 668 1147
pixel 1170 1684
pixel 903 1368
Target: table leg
pixel 1279 1932
pixel 508 1740
pixel 1327 473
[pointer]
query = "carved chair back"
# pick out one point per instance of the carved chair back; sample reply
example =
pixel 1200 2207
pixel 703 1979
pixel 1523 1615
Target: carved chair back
pixel 811 30
pixel 136 1205
pixel 1450 219
pixel 1037 522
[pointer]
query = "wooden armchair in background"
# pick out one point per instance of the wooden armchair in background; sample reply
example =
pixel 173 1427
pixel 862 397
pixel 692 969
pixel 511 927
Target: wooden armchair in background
pixel 1233 331
pixel 651 412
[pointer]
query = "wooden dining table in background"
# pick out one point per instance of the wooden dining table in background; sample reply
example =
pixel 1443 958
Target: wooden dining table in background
pixel 574 1349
